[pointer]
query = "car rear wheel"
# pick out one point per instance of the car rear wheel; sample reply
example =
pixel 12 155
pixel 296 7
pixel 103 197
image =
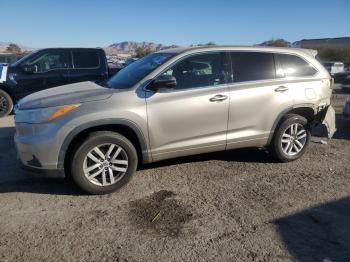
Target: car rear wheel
pixel 104 162
pixel 291 138
pixel 6 104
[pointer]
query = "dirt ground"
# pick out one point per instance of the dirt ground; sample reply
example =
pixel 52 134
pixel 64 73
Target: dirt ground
pixel 230 206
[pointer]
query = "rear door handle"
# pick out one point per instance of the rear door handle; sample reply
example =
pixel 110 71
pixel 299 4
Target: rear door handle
pixel 281 89
pixel 218 98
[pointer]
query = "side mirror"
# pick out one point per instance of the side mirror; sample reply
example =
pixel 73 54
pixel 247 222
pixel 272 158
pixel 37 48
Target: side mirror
pixel 162 82
pixel 30 69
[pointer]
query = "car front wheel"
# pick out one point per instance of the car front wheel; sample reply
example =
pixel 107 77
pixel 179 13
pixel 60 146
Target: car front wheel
pixel 104 162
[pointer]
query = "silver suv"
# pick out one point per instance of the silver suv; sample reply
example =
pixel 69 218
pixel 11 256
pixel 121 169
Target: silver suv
pixel 174 103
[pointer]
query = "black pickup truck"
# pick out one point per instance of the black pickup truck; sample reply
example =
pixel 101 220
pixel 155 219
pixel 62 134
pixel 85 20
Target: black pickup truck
pixel 48 68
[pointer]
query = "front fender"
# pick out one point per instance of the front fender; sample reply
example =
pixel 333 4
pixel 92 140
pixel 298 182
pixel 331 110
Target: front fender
pixel 79 129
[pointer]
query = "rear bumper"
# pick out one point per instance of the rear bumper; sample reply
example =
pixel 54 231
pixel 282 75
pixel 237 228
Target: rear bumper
pixel 326 116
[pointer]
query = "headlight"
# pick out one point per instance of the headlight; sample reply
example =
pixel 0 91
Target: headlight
pixel 40 115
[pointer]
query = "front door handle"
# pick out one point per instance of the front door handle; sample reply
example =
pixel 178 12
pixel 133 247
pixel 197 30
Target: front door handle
pixel 218 98
pixel 281 89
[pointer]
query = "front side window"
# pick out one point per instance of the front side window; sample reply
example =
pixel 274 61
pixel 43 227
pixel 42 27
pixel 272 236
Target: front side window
pixel 252 66
pixel 86 59
pixel 294 66
pixel 136 71
pixel 199 70
pixel 52 60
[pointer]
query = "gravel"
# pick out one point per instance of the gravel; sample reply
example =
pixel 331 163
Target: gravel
pixel 229 206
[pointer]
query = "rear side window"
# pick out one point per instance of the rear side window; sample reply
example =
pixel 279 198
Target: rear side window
pixel 86 59
pixel 294 66
pixel 252 66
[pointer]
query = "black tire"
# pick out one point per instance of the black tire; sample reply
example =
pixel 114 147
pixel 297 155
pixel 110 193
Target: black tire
pixel 96 139
pixel 276 143
pixel 6 103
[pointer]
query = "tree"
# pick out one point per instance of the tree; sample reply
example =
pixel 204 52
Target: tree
pixel 210 43
pixel 142 51
pixel 333 53
pixel 277 42
pixel 13 48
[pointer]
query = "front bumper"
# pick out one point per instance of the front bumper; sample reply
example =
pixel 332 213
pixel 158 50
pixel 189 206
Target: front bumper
pixel 37 148
pixel 50 173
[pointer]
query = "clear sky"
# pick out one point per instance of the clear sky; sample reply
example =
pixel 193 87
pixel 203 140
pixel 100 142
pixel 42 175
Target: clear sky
pixel 92 23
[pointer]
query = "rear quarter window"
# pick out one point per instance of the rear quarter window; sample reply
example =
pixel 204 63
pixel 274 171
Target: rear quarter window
pixel 294 66
pixel 86 59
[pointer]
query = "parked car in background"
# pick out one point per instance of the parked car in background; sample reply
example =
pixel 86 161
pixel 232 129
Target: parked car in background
pixel 48 68
pixel 334 67
pixel 347 66
pixel 346 111
pixel 174 103
pixel 343 78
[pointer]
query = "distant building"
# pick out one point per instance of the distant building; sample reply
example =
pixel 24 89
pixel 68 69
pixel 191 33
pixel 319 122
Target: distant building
pixel 340 42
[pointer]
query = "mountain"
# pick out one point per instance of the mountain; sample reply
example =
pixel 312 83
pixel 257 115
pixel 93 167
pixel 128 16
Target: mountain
pixel 131 46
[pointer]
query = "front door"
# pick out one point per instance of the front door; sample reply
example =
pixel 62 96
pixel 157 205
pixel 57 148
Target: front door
pixel 191 118
pixel 52 69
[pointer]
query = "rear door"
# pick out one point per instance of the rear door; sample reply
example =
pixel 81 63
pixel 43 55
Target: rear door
pixel 88 65
pixel 52 69
pixel 299 76
pixel 256 99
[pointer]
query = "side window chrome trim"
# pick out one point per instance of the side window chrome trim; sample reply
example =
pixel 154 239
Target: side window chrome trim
pixel 277 81
pixel 174 90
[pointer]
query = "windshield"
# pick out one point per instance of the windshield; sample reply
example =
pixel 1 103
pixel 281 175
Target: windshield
pixel 133 73
pixel 24 58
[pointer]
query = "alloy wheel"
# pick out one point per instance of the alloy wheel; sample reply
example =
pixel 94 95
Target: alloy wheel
pixel 293 139
pixel 105 164
pixel 3 104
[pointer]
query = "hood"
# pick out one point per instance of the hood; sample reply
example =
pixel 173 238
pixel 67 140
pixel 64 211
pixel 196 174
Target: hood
pixel 64 95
